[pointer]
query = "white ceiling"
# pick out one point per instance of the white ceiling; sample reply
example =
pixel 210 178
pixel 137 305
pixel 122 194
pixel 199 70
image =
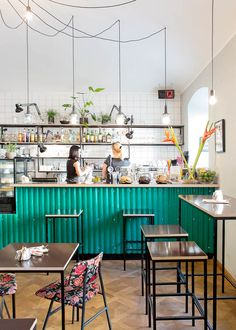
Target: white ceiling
pixel 188 25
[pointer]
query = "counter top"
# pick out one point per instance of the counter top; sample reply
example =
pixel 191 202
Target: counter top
pixel 100 185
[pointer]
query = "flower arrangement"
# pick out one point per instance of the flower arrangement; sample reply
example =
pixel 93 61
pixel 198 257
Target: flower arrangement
pixel 171 138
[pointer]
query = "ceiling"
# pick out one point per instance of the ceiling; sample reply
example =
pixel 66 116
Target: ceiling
pixel 188 25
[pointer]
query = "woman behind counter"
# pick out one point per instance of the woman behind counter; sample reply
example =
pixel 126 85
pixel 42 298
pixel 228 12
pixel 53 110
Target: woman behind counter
pixel 116 160
pixel 74 171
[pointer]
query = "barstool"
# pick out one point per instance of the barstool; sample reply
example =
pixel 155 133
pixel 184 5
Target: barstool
pixel 134 214
pixel 152 232
pixel 175 252
pixel 79 226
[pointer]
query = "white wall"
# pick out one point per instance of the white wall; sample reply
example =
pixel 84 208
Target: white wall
pixel 224 163
pixel 197 116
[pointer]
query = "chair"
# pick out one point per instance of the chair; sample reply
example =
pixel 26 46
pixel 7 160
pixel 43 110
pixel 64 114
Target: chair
pixel 81 285
pixel 8 286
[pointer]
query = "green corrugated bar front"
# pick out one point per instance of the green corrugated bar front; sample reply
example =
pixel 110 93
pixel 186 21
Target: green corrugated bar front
pixel 102 216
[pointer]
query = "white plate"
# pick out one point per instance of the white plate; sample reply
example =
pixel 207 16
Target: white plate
pixel 36 253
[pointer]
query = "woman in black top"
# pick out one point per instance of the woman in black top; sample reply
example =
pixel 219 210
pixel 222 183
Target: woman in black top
pixel 116 160
pixel 74 171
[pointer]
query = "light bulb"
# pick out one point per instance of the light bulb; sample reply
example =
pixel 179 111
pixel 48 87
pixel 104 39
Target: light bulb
pixel 212 98
pixel 73 118
pixel 165 119
pixel 28 14
pixel 120 119
pixel 28 118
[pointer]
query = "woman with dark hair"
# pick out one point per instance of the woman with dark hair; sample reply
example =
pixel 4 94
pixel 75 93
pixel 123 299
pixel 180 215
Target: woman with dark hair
pixel 74 171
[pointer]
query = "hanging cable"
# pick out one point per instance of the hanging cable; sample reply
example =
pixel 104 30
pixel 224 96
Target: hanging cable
pixel 165 64
pixel 119 45
pixel 87 34
pixel 8 26
pixel 92 7
pixel 27 66
pixel 73 65
pixel 212 44
pixel 35 30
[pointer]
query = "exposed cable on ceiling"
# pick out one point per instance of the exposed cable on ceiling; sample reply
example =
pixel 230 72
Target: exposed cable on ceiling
pixel 92 7
pixel 7 25
pixel 87 34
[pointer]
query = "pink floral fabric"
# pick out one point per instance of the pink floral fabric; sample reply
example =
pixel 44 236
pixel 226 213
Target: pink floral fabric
pixel 82 271
pixel 7 284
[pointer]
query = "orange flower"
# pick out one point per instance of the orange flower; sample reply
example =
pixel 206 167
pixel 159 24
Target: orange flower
pixel 170 136
pixel 208 132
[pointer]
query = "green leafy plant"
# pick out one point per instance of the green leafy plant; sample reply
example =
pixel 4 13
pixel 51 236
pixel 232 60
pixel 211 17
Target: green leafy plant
pixel 11 147
pixel 84 102
pixel 66 106
pixel 51 113
pixel 103 118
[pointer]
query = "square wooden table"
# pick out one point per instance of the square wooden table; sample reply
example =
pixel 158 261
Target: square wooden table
pixel 219 212
pixel 55 261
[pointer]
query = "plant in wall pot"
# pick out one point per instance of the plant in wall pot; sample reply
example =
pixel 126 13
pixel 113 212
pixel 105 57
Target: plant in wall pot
pixel 51 113
pixel 11 150
pixel 65 119
pixel 104 118
pixel 84 103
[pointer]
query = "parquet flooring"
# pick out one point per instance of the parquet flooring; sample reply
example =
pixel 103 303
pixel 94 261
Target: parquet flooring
pixel 124 299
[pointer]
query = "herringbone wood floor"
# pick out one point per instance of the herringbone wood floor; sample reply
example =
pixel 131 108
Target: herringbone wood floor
pixel 124 299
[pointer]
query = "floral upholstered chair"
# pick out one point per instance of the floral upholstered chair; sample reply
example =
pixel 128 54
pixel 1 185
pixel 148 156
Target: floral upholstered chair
pixel 81 285
pixel 8 286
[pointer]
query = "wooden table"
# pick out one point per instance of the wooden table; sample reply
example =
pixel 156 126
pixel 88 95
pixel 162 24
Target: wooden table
pixel 18 324
pixel 218 212
pixel 55 261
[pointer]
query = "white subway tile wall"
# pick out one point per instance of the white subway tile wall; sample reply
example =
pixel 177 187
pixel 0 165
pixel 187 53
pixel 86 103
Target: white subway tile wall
pixel 146 109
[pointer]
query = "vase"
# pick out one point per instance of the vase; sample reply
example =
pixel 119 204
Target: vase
pixel 83 120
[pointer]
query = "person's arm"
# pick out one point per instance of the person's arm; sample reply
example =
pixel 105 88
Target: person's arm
pixel 104 170
pixel 79 171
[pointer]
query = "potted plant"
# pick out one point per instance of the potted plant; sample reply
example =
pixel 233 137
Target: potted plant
pixel 65 119
pixel 85 104
pixel 51 113
pixel 11 150
pixel 104 118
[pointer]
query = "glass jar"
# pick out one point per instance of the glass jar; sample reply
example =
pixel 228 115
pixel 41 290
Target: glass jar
pixel 144 177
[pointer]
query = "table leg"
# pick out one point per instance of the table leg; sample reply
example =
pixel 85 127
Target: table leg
pixel 215 277
pixel 154 294
pixel 223 257
pixel 142 257
pixel 62 302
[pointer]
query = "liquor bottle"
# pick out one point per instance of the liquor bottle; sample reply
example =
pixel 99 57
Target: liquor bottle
pixel 92 137
pixel 36 136
pixel 78 136
pixel 108 137
pixel 32 135
pixel 87 136
pixel 84 137
pixel 28 135
pixel 96 136
pixel 20 137
pixel 104 137
pixel 24 135
pixel 100 135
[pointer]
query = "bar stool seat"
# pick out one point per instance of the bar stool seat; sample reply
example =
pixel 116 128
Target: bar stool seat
pixel 79 226
pixel 152 232
pixel 175 252
pixel 134 214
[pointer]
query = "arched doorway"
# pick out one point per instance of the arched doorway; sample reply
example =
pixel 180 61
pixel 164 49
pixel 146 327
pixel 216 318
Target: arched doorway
pixel 197 119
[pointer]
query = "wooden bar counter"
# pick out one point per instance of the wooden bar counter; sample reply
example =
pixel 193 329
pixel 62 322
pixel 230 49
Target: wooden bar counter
pixel 102 205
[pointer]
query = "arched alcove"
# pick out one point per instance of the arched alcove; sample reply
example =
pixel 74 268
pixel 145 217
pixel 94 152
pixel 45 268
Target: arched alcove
pixel 197 119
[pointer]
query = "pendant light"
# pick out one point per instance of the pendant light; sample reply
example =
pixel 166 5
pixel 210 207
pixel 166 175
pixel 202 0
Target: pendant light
pixel 121 118
pixel 212 97
pixel 73 115
pixel 165 115
pixel 28 15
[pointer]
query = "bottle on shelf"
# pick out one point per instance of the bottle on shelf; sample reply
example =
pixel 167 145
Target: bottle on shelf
pixel 92 137
pixel 84 137
pixel 96 136
pixel 104 137
pixel 109 171
pixel 87 136
pixel 100 135
pixel 20 137
pixel 24 135
pixel 32 135
pixel 28 135
pixel 78 137
pixel 108 138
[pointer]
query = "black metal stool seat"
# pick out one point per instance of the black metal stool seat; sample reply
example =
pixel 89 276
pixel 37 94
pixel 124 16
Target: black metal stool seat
pixel 152 232
pixel 175 252
pixel 79 226
pixel 132 214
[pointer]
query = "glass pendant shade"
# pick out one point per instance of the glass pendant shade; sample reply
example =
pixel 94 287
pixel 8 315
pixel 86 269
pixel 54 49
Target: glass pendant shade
pixel 212 98
pixel 120 119
pixel 28 14
pixel 74 118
